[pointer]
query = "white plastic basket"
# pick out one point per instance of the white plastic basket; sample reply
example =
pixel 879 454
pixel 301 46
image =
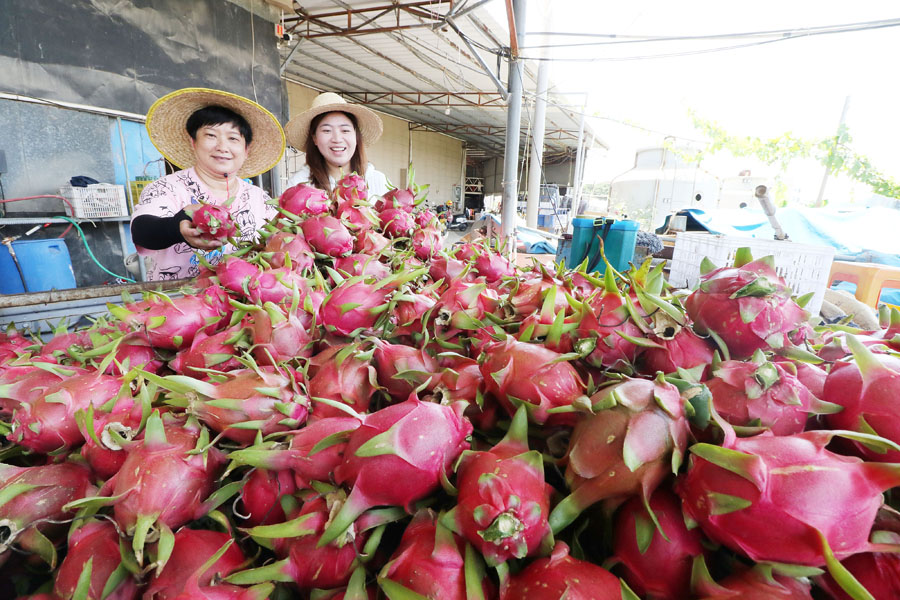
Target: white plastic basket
pixel 95 201
pixel 804 267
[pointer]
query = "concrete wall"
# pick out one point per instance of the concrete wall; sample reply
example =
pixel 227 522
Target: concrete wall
pixel 492 172
pixel 438 160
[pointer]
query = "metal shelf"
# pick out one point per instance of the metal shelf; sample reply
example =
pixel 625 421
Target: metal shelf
pixel 42 220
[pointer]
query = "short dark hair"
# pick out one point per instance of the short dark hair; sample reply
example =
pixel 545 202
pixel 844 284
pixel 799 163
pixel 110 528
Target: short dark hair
pixel 216 115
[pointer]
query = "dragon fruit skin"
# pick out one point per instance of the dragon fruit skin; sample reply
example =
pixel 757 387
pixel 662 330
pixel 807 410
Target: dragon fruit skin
pixel 370 242
pixel 683 350
pixel 867 389
pixel 746 392
pixel 402 369
pixel 415 442
pixel 758 583
pixel 493 266
pixel 637 431
pixel 105 448
pixel 214 221
pixel 306 465
pixel 327 235
pixel 804 493
pixel 602 316
pixel 410 313
pixel 261 495
pixel 749 307
pixel 533 375
pixel 342 373
pixel 427 242
pixel 275 285
pixel 26 383
pixel 353 307
pixel 192 549
pixel 235 274
pixel 34 497
pixel 97 542
pixel 651 564
pixel 278 334
pixel 430 562
pixel 210 351
pixel 352 188
pixel 304 200
pixel 285 245
pixel 265 400
pixel 172 323
pixel 48 423
pixel 561 576
pixel 159 483
pixel 402 199
pixel 396 223
pixel 362 264
pixel 503 502
pixel 449 269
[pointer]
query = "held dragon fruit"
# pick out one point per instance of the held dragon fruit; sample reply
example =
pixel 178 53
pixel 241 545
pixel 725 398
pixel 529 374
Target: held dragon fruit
pixel 214 221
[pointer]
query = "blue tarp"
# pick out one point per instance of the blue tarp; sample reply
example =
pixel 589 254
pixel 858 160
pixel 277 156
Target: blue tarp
pixel 866 235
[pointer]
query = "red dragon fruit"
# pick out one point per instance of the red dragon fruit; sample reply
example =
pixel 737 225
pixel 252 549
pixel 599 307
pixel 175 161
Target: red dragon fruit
pixel 867 390
pixel 426 218
pixel 327 235
pixel 241 403
pixel 604 317
pixel 217 351
pixel 304 200
pixel 64 346
pixel 189 564
pixel 493 266
pixel 48 423
pixel 312 455
pixel 162 484
pixel 235 274
pixel 306 560
pixel 410 314
pixel 636 435
pixel 342 373
pixel 518 373
pixel 432 562
pixel 34 502
pixel 653 565
pixel 132 350
pixel 561 576
pixel 530 292
pixel 402 369
pixel 370 242
pixel 758 583
pixel 463 307
pixel 357 217
pixel 397 199
pixel 675 347
pixel 94 550
pixel 748 306
pixel 12 344
pixel 443 267
pixel 26 383
pixel 810 375
pixel 355 305
pixel 214 221
pixel 362 264
pixel 109 432
pixel 275 285
pixel 396 223
pixel 352 188
pixel 414 442
pixel 278 334
pixel 285 246
pixel 426 242
pixel 503 500
pixel 817 505
pixel 261 496
pixel 763 393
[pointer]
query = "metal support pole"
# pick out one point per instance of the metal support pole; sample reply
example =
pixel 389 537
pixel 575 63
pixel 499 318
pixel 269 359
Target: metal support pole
pixel 513 124
pixel 576 182
pixel 537 145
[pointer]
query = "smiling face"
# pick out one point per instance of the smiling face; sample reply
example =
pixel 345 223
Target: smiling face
pixel 335 137
pixel 219 149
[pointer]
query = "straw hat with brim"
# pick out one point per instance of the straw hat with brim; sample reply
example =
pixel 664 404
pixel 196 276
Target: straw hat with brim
pixel 297 129
pixel 167 126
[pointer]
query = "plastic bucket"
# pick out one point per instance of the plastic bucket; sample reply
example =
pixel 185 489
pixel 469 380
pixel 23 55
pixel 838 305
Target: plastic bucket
pixel 619 245
pixel 582 236
pixel 45 265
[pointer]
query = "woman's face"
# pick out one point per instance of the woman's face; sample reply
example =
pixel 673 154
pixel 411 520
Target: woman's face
pixel 220 149
pixel 335 138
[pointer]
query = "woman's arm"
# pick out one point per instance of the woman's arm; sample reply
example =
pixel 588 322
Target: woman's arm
pixel 157 233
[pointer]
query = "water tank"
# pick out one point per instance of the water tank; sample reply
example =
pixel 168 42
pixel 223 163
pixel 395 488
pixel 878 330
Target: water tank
pixel 660 184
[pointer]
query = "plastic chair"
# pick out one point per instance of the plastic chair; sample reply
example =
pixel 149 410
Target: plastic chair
pixel 870 279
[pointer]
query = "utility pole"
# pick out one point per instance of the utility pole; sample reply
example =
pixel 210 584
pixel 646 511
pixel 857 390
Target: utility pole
pixel 516 13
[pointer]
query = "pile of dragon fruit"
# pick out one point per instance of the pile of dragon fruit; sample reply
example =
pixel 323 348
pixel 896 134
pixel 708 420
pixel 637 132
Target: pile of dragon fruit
pixel 345 409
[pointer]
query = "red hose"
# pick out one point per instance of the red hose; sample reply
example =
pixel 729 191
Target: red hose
pixel 63 198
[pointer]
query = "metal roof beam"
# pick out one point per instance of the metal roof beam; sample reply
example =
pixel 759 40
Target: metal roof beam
pixel 437 99
pixel 500 87
pixel 349 11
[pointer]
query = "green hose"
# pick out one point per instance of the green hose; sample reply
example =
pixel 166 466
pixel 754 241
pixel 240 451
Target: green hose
pixel 91 254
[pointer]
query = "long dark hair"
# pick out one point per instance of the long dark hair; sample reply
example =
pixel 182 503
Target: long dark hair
pixel 318 170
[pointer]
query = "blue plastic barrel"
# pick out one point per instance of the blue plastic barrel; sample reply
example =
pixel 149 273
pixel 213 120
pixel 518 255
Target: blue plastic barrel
pixel 619 245
pixel 582 236
pixel 46 265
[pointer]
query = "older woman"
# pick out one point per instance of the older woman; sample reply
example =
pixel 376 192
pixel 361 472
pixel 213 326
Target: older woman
pixel 217 139
pixel 334 134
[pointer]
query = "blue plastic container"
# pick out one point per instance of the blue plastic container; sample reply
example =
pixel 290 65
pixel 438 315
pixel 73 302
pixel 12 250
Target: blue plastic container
pixel 46 265
pixel 582 238
pixel 619 245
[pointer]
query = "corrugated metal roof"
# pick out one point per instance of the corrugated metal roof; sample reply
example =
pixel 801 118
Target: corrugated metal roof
pixel 417 60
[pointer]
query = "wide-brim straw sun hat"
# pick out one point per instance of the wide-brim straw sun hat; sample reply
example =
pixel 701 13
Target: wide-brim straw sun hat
pixel 297 129
pixel 167 127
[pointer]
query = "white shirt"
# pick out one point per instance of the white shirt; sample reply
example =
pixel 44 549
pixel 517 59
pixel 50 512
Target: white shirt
pixel 375 180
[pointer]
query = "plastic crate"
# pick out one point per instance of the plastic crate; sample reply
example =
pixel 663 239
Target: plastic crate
pixel 137 186
pixel 804 267
pixel 95 201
